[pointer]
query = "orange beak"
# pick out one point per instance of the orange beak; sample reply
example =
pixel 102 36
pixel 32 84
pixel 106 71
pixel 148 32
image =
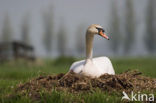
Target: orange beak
pixel 103 35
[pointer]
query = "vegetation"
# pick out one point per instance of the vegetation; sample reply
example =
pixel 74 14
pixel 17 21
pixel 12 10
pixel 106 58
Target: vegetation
pixel 14 73
pixel 129 26
pixel 7 30
pixel 150 37
pixel 62 40
pixel 25 29
pixel 48 30
pixel 80 39
pixel 116 36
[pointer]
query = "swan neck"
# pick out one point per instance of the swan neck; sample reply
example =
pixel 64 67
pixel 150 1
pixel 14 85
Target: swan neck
pixel 89 45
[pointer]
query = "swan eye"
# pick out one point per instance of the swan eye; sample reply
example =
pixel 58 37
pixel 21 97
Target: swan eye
pixel 100 29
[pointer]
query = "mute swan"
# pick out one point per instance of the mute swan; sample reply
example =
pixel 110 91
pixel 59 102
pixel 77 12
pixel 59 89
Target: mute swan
pixel 97 66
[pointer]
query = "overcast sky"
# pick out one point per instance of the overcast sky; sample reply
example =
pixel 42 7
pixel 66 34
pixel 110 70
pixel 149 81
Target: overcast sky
pixel 72 12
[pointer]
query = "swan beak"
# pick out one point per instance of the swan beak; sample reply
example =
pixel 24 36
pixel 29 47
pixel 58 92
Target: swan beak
pixel 103 35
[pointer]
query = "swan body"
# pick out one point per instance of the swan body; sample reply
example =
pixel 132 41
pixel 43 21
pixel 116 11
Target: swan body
pixel 93 67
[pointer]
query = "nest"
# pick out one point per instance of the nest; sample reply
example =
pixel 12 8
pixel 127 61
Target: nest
pixel 74 83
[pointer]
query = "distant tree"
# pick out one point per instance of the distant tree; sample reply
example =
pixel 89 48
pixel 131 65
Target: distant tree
pixel 129 26
pixel 25 30
pixel 115 28
pixel 80 42
pixel 62 40
pixel 150 34
pixel 48 30
pixel 7 30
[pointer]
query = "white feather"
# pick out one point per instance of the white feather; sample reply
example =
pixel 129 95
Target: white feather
pixel 94 68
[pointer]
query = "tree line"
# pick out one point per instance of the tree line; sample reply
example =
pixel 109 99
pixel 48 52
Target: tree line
pixel 122 31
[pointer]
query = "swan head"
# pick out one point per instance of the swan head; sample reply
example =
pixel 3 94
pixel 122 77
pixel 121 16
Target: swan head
pixel 95 29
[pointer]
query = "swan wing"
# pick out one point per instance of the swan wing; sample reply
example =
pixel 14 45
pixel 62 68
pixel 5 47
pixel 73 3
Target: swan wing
pixel 104 65
pixel 77 66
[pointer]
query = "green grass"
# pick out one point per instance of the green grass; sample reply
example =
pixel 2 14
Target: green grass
pixel 146 65
pixel 94 97
pixel 12 74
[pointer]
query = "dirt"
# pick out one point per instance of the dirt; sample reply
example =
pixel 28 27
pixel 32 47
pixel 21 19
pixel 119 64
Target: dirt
pixel 71 82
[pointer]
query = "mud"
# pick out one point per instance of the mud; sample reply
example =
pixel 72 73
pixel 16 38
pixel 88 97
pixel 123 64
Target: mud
pixel 74 83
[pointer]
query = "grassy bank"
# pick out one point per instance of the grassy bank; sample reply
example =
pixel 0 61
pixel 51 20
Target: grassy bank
pixel 13 73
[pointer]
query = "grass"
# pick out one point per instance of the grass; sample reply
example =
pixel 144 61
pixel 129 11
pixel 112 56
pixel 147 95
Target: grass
pixel 13 73
pixel 146 65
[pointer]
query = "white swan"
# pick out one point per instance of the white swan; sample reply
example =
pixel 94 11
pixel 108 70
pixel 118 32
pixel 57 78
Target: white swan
pixel 97 66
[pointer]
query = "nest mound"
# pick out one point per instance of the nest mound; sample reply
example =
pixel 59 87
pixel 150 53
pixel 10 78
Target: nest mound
pixel 127 81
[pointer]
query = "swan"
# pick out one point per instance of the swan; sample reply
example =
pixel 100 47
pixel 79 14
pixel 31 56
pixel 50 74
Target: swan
pixel 93 67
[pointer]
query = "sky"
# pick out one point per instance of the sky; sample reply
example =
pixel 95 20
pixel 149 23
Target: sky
pixel 73 13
